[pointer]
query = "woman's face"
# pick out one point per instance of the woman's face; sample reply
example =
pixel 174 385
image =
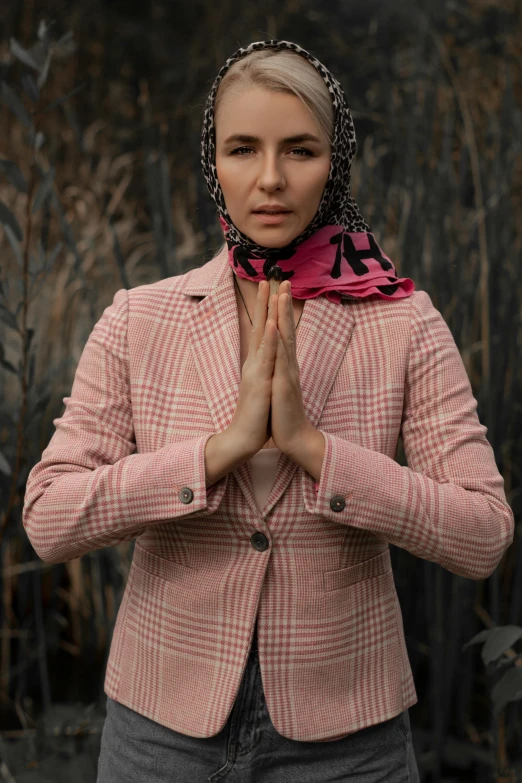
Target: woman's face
pixel 265 164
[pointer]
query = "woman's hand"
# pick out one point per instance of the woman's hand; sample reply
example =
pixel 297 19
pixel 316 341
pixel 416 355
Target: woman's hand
pixel 250 425
pixel 290 426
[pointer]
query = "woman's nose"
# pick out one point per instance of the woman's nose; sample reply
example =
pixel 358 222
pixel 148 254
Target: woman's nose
pixel 271 171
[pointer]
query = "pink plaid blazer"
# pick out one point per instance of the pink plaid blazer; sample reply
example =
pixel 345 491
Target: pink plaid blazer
pixel 159 375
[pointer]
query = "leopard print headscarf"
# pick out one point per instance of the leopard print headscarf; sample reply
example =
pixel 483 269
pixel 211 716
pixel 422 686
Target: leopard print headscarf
pixel 337 205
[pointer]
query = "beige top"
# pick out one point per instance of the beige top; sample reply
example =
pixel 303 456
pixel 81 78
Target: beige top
pixel 263 468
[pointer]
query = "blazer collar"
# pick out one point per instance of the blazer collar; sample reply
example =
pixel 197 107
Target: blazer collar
pixel 212 325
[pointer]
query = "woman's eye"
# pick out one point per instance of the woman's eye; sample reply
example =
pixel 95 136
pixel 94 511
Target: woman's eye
pixel 296 149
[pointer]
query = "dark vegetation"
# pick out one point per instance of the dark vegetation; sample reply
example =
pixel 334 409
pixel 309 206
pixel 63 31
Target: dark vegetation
pixel 101 188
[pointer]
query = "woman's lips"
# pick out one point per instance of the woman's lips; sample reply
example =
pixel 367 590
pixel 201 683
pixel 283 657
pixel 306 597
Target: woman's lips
pixel 271 218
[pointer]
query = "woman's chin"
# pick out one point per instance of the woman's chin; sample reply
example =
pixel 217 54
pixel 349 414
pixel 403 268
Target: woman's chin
pixel 272 237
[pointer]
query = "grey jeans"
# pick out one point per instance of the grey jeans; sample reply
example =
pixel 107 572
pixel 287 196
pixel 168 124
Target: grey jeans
pixel 135 749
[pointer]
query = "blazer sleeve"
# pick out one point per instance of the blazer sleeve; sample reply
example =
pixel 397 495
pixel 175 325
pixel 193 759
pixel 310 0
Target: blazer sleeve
pixel 448 505
pixel 91 489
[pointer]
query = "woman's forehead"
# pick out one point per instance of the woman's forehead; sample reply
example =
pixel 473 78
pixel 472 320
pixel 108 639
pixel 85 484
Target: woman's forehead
pixel 255 114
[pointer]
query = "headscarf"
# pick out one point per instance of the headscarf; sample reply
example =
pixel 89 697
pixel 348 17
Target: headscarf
pixel 336 254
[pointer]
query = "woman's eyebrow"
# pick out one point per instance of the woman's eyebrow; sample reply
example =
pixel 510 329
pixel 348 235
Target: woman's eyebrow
pixel 247 139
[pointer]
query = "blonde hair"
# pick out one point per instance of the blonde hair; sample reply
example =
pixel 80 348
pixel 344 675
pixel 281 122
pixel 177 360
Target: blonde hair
pixel 286 72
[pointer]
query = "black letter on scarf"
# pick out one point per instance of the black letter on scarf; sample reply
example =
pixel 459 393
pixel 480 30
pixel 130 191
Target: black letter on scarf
pixel 241 255
pixel 354 257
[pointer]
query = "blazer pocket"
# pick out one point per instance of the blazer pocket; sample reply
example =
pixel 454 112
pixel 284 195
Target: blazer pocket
pixel 160 566
pixel 367 569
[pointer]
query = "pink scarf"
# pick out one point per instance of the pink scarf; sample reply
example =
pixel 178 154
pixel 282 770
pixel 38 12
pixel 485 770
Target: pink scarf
pixel 332 261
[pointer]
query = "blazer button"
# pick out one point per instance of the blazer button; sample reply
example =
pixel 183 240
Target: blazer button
pixel 337 503
pixel 186 495
pixel 259 541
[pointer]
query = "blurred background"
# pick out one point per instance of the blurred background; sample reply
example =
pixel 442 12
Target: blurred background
pixel 101 104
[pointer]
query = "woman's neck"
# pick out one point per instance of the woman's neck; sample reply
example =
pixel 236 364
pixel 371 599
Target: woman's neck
pixel 248 290
pixel 247 287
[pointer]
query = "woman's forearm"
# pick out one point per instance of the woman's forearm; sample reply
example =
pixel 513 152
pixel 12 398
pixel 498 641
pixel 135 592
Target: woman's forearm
pixel 223 453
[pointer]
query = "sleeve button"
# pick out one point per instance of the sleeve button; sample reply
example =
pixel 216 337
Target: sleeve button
pixel 337 503
pixel 186 495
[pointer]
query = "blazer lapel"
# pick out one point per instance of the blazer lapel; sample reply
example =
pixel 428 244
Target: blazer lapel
pixel 212 324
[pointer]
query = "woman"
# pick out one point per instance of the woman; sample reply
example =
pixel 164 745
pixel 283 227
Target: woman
pixel 248 443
